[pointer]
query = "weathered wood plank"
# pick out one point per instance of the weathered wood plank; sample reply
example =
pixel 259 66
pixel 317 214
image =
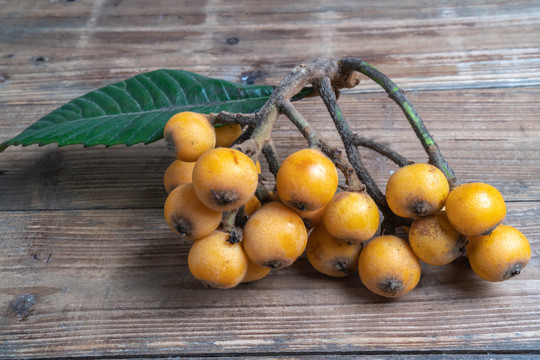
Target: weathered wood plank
pixel 116 282
pixel 90 269
pixel 437 46
pixel 373 355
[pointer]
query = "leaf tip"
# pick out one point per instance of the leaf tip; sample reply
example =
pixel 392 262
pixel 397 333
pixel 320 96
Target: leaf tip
pixel 3 146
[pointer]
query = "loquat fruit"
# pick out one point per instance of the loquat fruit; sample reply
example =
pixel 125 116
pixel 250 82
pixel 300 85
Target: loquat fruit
pixel 274 236
pixel 252 205
pixel 187 215
pixel 189 135
pixel 416 190
pixel 351 216
pixel 331 256
pixel 226 134
pixel 306 180
pixel 177 173
pixel 388 267
pixel 216 262
pixel 255 272
pixel 435 241
pixel 225 179
pixel 475 208
pixel 311 218
pixel 502 254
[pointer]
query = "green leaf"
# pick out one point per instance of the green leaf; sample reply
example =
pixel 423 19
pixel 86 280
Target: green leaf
pixel 136 110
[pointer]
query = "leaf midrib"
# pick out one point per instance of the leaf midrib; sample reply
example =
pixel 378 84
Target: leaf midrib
pixel 210 104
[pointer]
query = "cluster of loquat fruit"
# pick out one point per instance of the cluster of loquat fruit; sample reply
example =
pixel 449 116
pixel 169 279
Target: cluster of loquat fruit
pixel 335 228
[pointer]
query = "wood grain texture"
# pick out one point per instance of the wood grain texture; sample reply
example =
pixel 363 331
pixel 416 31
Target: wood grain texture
pixel 88 266
pixel 117 280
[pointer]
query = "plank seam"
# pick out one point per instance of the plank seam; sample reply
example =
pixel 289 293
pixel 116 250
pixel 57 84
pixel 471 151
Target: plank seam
pixel 300 353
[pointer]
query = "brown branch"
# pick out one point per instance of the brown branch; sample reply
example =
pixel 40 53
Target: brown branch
pixel 381 149
pixel 290 111
pixel 351 179
pixel 228 118
pixel 270 153
pixel 315 141
pixel 326 92
pixel 262 194
pixel 398 96
pixel 328 76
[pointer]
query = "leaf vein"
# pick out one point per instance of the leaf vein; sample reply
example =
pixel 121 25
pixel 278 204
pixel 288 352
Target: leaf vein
pixel 150 80
pixel 185 101
pixel 99 91
pixel 132 98
pixel 82 98
pixel 136 79
pixel 142 127
pixel 111 129
pixel 203 90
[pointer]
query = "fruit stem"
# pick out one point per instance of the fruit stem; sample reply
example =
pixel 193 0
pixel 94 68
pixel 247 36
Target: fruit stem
pixel 314 141
pixel 382 149
pixel 262 132
pixel 351 179
pixel 270 153
pixel 228 220
pixel 262 194
pixel 301 76
pixel 227 118
pixel 327 76
pixel 347 136
pixel 245 135
pixel 229 225
pixel 288 109
pixel 398 96
pixel 292 84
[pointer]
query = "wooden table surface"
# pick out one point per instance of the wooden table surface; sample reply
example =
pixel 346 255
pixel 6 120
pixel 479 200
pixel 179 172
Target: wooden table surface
pixel 88 266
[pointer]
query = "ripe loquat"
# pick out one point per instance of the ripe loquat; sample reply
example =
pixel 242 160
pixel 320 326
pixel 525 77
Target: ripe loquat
pixel 388 267
pixel 225 135
pixel 255 272
pixel 435 241
pixel 178 173
pixel 216 262
pixel 187 215
pixel 416 190
pixel 188 135
pixel 306 180
pixel 475 208
pixel 252 205
pixel 311 218
pixel 331 256
pixel 274 236
pixel 502 254
pixel 351 216
pixel 224 179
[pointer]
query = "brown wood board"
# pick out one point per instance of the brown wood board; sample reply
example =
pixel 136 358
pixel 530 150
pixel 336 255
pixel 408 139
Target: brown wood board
pixel 88 266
